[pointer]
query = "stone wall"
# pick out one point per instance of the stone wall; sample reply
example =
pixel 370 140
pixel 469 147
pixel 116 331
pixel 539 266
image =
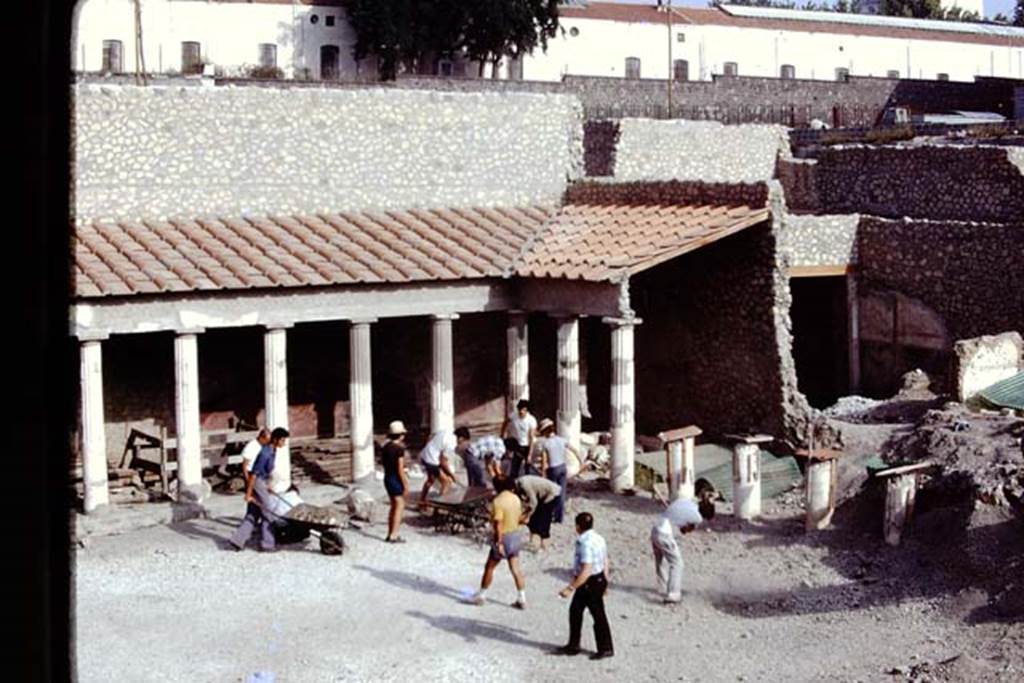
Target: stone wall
pixel 819 240
pixel 970 273
pixel 706 351
pixel 697 151
pixel 668 192
pixel 155 151
pixel 981 362
pixel 939 182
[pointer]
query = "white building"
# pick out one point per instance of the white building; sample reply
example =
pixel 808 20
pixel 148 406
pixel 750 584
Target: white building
pixel 611 39
pixel 312 39
pixel 303 38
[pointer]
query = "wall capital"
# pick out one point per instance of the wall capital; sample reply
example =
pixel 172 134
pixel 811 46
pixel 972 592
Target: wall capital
pixel 630 321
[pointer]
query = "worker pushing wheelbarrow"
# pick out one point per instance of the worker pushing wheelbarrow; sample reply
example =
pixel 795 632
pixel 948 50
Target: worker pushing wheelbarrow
pixel 293 520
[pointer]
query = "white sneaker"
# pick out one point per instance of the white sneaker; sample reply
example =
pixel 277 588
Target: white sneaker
pixel 477 600
pixel 519 604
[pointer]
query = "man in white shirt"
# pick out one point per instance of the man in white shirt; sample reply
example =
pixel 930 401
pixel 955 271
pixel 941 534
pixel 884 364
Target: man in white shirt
pixel 668 562
pixel 435 457
pixel 588 586
pixel 251 450
pixel 520 428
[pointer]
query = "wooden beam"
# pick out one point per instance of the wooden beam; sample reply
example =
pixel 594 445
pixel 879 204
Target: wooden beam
pixel 819 271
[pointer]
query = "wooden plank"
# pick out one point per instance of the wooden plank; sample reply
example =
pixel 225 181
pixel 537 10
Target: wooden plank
pixel 818 271
pixel 905 469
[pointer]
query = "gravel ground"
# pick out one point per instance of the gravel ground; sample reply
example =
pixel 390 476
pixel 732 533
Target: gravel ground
pixel 765 602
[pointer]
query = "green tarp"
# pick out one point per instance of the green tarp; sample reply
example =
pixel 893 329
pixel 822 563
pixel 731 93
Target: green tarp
pixel 714 463
pixel 1008 393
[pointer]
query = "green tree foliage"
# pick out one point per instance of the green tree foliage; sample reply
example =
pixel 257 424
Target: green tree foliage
pixel 410 31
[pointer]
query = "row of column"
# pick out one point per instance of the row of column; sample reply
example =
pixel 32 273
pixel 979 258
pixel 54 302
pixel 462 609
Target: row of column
pixel 442 404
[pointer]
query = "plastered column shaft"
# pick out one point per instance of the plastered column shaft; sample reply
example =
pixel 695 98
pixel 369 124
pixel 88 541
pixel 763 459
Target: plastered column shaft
pixel 442 383
pixel 900 492
pixel 186 403
pixel 623 406
pixel 674 454
pixel 568 418
pixel 853 331
pixel 94 440
pixel 518 344
pixel 360 396
pixel 275 384
pixel 820 493
pixel 689 474
pixel 746 480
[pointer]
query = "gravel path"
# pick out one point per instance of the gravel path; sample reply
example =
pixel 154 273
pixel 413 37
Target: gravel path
pixel 765 602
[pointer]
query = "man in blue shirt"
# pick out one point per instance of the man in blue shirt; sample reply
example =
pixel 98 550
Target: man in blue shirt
pixel 589 583
pixel 257 496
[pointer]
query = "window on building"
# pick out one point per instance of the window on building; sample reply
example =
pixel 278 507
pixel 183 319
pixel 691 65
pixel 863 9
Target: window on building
pixel 574 32
pixel 942 77
pixel 680 37
pixel 731 69
pixel 113 62
pixel 191 58
pixel 892 73
pixel 314 18
pixel 681 70
pixel 632 67
pixel 268 55
pixel 842 74
pixel 787 71
pixel 445 67
pixel 329 62
pixel 515 68
pixel 329 20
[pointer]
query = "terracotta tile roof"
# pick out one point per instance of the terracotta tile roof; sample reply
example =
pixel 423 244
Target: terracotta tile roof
pixel 204 254
pixel 612 241
pixel 681 16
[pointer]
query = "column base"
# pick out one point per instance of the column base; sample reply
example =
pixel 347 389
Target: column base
pixel 194 493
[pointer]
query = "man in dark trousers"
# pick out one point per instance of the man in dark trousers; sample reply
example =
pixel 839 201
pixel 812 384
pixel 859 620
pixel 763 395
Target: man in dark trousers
pixel 257 496
pixel 589 583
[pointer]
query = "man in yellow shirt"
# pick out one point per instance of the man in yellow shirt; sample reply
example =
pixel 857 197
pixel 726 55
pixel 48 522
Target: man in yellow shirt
pixel 507 519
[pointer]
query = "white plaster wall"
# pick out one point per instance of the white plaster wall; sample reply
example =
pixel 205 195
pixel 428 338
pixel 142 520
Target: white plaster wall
pixel 601 49
pixel 229 34
pixel 987 360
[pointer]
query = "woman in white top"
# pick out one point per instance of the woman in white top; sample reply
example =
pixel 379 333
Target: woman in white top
pixel 553 462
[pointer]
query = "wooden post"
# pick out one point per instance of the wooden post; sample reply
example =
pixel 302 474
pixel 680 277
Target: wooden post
pixel 822 473
pixel 900 492
pixel 680 469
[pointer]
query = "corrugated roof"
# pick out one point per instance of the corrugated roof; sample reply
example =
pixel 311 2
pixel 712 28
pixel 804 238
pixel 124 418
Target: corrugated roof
pixel 681 16
pixel 607 242
pixel 1008 393
pixel 130 257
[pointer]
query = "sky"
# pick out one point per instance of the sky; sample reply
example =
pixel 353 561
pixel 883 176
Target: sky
pixel 992 7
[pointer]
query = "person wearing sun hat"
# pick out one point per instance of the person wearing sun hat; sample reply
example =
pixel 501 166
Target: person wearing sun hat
pixel 393 457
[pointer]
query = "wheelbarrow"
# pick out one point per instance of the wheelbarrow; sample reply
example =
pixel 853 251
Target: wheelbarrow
pixel 292 526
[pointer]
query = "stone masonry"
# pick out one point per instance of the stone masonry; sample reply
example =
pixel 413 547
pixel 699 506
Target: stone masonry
pixel 157 151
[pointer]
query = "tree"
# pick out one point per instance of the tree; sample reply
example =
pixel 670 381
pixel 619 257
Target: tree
pixel 919 9
pixel 1018 15
pixel 413 32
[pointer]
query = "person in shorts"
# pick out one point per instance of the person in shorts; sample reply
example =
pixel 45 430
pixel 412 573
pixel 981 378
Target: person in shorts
pixel 435 457
pixel 393 457
pixel 506 518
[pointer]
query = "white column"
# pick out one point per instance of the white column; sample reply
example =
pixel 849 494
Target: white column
pixel 900 491
pixel 680 469
pixel 674 469
pixel 853 332
pixel 187 428
pixel 623 403
pixel 568 416
pixel 442 381
pixel 746 474
pixel 689 475
pixel 360 396
pixel 518 344
pixel 275 386
pixel 820 503
pixel 94 441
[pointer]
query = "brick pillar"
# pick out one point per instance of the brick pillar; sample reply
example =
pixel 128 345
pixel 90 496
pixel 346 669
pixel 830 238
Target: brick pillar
pixel 360 397
pixel 94 441
pixel 275 386
pixel 187 427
